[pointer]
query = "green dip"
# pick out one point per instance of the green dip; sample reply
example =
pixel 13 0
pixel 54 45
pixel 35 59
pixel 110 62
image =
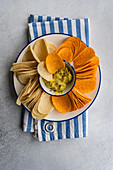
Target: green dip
pixel 59 81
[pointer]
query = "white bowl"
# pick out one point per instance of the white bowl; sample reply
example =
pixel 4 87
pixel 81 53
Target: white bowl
pixel 69 86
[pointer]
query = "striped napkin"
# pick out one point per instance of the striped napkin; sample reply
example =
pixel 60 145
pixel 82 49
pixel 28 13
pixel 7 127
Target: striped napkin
pixel 77 127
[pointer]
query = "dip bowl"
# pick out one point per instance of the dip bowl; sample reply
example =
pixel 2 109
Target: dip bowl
pixel 69 86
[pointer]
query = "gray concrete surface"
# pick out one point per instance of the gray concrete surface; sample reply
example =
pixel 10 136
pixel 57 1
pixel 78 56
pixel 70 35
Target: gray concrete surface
pixel 18 150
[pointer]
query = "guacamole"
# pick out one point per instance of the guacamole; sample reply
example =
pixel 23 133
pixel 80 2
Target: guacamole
pixel 60 78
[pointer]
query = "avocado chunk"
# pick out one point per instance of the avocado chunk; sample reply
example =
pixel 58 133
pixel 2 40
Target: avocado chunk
pixel 60 78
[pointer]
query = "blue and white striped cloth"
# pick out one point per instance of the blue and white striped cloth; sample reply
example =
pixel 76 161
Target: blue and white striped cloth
pixel 78 126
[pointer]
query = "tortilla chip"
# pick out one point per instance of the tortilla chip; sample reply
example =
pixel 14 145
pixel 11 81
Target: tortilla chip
pixel 34 95
pixel 43 71
pixel 20 68
pixel 28 73
pixel 85 85
pixel 23 66
pixel 51 48
pixel 31 104
pixel 36 114
pixel 66 54
pixel 25 75
pixel 33 85
pixel 84 57
pixel 23 79
pixel 30 88
pixel 40 49
pixel 26 64
pixel 62 103
pixel 34 82
pixel 45 105
pixel 53 63
pixel 30 94
pixel 28 56
pixel 34 55
pixel 23 93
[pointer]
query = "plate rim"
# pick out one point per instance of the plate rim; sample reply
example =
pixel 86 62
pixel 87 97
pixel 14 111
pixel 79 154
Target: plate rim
pixel 47 119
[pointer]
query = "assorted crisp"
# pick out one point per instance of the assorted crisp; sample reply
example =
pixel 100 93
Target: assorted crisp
pixel 47 60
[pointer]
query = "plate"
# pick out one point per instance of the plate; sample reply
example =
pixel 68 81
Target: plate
pixel 58 39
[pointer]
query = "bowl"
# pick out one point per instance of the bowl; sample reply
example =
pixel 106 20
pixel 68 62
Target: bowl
pixel 69 86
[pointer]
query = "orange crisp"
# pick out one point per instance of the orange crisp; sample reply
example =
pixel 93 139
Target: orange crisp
pixel 53 63
pixel 86 69
pixel 89 72
pixel 86 85
pixel 78 95
pixel 76 42
pixel 66 54
pixel 73 104
pixel 70 48
pixel 81 48
pixel 78 103
pixel 93 62
pixel 70 44
pixel 84 57
pixel 62 103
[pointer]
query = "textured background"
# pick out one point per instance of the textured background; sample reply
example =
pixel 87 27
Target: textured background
pixel 18 150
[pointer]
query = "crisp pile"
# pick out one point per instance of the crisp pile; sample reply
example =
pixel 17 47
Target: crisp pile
pixel 44 59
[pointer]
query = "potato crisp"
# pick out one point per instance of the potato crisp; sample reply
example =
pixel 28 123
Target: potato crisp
pixel 53 63
pixel 84 56
pixel 86 85
pixel 62 103
pixel 46 60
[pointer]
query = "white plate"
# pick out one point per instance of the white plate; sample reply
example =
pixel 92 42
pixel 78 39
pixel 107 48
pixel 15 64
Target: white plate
pixel 58 39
